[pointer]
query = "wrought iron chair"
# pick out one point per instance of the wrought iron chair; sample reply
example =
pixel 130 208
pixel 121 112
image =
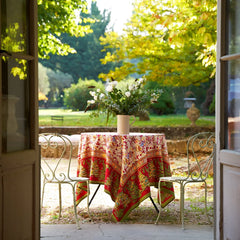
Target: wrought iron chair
pixel 196 145
pixel 56 154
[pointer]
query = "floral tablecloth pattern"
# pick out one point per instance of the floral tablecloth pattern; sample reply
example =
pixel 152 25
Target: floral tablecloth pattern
pixel 127 165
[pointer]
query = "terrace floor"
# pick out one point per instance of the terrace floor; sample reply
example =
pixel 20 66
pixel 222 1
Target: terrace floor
pixel 140 222
pixel 125 232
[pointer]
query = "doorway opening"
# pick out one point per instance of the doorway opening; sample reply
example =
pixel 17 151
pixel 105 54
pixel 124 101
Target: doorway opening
pixel 58 98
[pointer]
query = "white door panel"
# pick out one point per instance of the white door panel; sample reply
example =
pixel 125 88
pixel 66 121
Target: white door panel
pixel 231 198
pixel 228 121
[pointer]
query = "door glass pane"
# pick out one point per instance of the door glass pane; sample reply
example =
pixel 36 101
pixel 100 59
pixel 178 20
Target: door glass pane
pixel 15 105
pixel 14 27
pixel 234 105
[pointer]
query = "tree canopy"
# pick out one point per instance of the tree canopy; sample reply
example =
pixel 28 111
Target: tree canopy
pixel 85 63
pixel 172 40
pixel 56 17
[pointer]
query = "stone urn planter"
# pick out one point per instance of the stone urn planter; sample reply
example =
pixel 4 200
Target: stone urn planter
pixel 193 114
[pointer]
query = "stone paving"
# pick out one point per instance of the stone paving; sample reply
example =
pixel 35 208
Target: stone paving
pixel 125 232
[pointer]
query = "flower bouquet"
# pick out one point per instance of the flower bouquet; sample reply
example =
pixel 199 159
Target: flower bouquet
pixel 132 100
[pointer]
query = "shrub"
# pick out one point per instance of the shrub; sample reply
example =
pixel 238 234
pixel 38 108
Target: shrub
pixel 77 95
pixel 165 103
pixel 212 106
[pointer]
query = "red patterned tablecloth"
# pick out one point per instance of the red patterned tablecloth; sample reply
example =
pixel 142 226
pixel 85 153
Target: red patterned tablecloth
pixel 127 165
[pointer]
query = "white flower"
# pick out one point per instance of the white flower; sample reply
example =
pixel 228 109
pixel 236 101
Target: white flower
pixel 154 97
pixel 114 83
pixel 101 96
pixel 109 88
pixel 128 94
pixel 131 87
pixel 90 101
pixel 139 82
pixel 135 87
pixel 116 100
pixel 92 93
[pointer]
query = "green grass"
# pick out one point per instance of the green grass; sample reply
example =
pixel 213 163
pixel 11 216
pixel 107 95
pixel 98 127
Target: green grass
pixel 86 120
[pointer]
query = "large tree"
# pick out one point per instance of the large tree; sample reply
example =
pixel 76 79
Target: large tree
pixel 85 63
pixel 58 82
pixel 173 41
pixel 56 17
pixel 43 81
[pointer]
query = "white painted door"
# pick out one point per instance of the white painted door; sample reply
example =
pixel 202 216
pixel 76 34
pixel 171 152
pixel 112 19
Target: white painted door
pixel 19 154
pixel 228 121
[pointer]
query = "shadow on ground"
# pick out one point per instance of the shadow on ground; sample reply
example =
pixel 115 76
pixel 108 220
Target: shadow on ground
pixel 102 205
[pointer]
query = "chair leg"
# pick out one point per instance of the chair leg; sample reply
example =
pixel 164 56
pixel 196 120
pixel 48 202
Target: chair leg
pixel 60 200
pixel 88 193
pixel 159 194
pixel 206 203
pixel 182 203
pixel 43 189
pixel 75 206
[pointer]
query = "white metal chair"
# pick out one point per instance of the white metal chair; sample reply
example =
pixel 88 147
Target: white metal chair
pixel 56 154
pixel 196 145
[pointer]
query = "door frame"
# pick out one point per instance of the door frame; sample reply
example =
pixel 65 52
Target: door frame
pixel 220 120
pixel 224 157
pixel 24 161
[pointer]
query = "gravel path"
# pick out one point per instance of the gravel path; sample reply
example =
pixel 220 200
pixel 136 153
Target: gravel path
pixel 102 205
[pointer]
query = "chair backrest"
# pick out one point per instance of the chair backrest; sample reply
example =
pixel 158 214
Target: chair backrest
pixel 200 155
pixel 56 156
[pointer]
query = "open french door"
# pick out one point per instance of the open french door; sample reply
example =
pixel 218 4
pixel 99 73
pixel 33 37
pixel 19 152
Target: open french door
pixel 19 154
pixel 228 121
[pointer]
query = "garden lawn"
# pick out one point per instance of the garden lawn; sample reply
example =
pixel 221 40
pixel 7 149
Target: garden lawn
pixel 83 119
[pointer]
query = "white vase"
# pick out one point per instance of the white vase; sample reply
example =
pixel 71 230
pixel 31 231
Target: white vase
pixel 123 124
